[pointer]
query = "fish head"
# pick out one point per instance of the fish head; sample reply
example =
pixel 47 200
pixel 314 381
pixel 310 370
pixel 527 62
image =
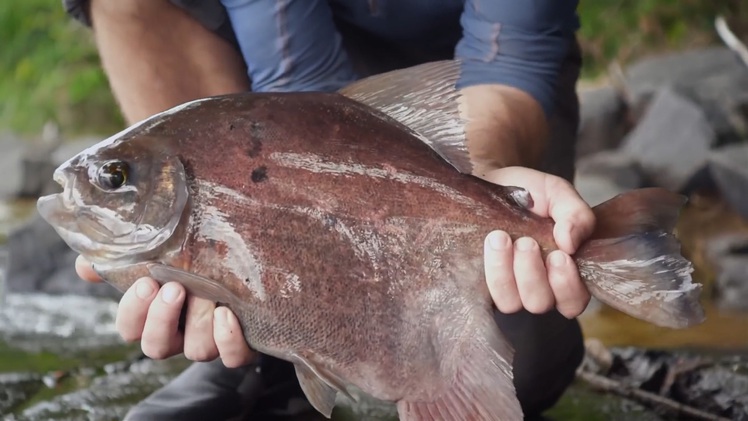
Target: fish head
pixel 121 199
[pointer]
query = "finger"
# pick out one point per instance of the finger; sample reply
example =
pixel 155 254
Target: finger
pixel 161 336
pixel 530 273
pixel 133 309
pixel 570 292
pixel 229 339
pixel 574 218
pixel 85 271
pixel 199 344
pixel 498 262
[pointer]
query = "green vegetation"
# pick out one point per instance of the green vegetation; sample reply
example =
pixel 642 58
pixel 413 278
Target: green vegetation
pixel 49 69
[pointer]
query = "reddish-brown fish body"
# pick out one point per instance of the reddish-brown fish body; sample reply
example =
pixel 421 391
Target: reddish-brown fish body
pixel 366 245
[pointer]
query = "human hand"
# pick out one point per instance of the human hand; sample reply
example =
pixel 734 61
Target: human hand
pixel 516 274
pixel 150 313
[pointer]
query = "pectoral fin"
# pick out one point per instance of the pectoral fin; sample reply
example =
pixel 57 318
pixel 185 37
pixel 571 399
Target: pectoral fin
pixel 319 393
pixel 194 284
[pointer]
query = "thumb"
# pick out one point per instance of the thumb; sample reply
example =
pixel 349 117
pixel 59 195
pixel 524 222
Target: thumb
pixel 573 217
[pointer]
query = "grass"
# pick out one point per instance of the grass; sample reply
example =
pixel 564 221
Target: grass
pixel 49 68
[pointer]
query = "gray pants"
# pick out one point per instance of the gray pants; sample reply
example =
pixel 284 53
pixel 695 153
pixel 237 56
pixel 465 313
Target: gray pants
pixel 548 347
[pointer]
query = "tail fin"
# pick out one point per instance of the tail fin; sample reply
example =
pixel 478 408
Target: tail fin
pixel 633 261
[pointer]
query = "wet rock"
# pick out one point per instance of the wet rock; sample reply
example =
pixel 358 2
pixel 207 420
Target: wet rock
pixel 729 256
pixel 672 141
pixel 16 388
pixel 603 120
pixel 39 261
pixel 603 175
pixel 677 383
pixel 728 167
pixel 107 397
pixel 715 389
pixel 59 324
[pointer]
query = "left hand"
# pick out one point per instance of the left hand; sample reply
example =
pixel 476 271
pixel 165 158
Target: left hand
pixel 516 274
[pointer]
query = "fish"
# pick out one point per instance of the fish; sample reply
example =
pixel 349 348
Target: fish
pixel 346 232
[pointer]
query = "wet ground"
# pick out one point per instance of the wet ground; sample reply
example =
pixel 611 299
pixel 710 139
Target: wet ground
pixel 61 359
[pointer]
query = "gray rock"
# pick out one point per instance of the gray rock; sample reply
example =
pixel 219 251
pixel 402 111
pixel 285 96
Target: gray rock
pixel 604 175
pixel 723 96
pixel 16 388
pixel 672 141
pixel 108 397
pixel 12 149
pixel 729 256
pixel 603 120
pixel 36 164
pixel 60 324
pixel 712 77
pixel 678 68
pixel 728 167
pixel 39 261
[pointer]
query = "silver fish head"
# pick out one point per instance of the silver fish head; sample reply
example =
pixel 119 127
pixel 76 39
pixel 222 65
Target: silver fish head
pixel 121 199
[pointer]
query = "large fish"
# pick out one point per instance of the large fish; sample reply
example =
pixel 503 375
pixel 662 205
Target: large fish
pixel 344 231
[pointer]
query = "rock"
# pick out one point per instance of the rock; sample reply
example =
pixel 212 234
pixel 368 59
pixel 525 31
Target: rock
pixel 16 388
pixel 603 175
pixel 59 324
pixel 648 75
pixel 36 164
pixel 10 162
pixel 714 386
pixel 712 77
pixel 728 167
pixel 717 390
pixel 672 141
pixel 108 397
pixel 603 120
pixel 39 261
pixel 723 97
pixel 729 256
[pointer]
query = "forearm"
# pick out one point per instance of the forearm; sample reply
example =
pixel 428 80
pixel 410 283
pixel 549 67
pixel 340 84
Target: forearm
pixel 512 54
pixel 506 127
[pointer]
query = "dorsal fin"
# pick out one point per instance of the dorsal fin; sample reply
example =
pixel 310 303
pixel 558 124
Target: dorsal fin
pixel 423 98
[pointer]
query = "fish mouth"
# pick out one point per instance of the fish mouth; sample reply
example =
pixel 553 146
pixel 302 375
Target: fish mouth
pixel 58 210
pixel 78 226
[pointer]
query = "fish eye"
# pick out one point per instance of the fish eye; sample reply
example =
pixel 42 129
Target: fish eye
pixel 113 175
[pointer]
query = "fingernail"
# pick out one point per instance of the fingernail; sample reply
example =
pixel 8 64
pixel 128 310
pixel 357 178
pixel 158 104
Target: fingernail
pixel 525 244
pixel 169 293
pixel 558 259
pixel 143 289
pixel 499 240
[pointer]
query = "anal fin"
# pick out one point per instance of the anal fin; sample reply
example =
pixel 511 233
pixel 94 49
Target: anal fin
pixel 482 386
pixel 320 394
pixel 196 285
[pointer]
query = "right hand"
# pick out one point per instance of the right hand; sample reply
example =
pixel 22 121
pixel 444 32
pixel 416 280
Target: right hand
pixel 150 313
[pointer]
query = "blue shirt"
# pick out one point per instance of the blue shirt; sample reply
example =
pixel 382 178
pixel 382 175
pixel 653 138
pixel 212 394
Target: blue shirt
pixel 293 45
